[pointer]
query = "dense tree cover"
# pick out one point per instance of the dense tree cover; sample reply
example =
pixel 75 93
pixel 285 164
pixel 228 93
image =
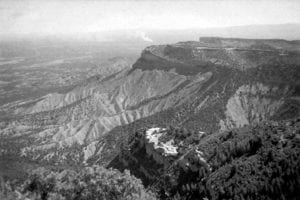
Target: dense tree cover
pixel 257 162
pixel 260 162
pixel 90 183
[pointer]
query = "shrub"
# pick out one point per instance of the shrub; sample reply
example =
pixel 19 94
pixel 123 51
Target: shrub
pixel 95 183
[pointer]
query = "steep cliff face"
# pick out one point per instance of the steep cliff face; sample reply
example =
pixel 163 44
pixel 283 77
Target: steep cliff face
pixel 152 153
pixel 207 85
pixel 253 104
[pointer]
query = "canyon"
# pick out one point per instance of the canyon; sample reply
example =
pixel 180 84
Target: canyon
pixel 210 85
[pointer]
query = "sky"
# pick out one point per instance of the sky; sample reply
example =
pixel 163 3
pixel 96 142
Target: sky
pixel 85 16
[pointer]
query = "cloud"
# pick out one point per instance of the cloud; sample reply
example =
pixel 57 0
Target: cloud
pixel 87 16
pixel 142 34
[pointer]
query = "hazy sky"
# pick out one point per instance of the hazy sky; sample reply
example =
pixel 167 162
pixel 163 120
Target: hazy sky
pixel 79 16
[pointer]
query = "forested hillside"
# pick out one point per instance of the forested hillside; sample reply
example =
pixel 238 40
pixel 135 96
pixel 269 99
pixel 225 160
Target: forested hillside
pixel 254 162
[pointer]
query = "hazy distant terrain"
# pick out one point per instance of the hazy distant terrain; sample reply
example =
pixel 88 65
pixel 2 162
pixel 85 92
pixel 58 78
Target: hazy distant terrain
pixel 35 68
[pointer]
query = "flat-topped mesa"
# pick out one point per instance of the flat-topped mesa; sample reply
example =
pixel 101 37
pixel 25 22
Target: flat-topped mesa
pixel 242 43
pixel 192 57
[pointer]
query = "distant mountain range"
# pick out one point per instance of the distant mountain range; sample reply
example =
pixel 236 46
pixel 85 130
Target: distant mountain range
pixel 289 31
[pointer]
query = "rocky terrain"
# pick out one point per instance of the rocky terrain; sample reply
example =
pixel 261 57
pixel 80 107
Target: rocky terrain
pixel 210 85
